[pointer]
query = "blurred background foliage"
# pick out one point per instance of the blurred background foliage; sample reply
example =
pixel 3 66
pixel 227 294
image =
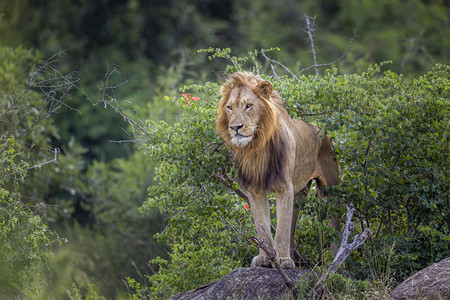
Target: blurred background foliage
pixel 137 52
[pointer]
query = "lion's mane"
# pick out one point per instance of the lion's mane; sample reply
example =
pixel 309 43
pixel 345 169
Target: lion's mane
pixel 262 163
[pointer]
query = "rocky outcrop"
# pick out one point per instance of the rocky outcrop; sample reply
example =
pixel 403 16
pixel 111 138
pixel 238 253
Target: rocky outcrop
pixel 245 283
pixel 431 283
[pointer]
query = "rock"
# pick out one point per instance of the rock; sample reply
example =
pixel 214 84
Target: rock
pixel 245 283
pixel 431 283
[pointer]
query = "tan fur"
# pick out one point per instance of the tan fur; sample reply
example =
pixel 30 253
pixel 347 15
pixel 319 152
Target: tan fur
pixel 272 152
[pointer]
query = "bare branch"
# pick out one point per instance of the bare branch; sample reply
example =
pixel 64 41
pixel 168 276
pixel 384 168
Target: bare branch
pixel 310 28
pixel 316 66
pixel 267 246
pixel 51 89
pixel 38 166
pixel 278 63
pixel 344 250
pixel 52 84
pixel 109 100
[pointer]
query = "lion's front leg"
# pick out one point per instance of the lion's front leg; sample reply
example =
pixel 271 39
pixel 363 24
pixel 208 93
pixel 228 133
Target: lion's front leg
pixel 261 216
pixel 285 203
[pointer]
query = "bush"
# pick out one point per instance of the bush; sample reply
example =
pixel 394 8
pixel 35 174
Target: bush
pixel 28 95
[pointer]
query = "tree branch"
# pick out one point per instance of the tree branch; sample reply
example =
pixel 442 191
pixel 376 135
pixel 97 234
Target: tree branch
pixel 54 86
pixel 267 247
pixel 316 66
pixel 344 250
pixel 38 166
pixel 278 63
pixel 108 99
pixel 310 28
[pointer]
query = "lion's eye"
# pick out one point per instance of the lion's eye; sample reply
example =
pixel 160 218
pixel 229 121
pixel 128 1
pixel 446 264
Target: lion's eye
pixel 229 107
pixel 248 106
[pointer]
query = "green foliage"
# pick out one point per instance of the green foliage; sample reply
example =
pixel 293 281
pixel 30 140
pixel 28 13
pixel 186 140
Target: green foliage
pixel 391 136
pixel 25 240
pixel 187 262
pixel 392 140
pixel 192 161
pixel 84 293
pixel 238 63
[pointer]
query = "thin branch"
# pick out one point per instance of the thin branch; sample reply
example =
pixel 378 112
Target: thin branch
pixel 109 100
pixel 55 152
pixel 267 247
pixel 227 181
pixel 274 73
pixel 344 250
pixel 278 63
pixel 399 153
pixel 316 66
pixel 54 86
pixel 15 101
pixel 37 121
pixel 310 28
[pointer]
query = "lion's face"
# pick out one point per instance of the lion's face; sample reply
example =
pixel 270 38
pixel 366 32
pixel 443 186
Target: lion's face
pixel 243 111
pixel 247 112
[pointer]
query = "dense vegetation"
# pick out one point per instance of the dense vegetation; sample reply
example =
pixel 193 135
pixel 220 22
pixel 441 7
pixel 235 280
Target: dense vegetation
pixel 139 77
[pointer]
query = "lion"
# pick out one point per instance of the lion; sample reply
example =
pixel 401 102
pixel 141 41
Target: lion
pixel 272 152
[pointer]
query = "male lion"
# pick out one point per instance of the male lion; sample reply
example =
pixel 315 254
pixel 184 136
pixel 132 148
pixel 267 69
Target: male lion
pixel 272 152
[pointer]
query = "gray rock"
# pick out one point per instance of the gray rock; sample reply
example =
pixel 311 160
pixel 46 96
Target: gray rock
pixel 245 283
pixel 431 283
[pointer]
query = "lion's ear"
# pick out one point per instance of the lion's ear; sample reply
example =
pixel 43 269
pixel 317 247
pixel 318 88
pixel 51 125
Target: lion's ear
pixel 263 89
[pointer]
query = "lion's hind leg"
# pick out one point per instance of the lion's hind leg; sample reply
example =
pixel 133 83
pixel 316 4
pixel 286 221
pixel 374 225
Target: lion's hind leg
pixel 298 200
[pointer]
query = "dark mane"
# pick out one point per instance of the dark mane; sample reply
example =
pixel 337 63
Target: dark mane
pixel 271 174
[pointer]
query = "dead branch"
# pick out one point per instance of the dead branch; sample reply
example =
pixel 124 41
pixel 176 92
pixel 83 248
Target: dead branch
pixel 310 28
pixel 344 250
pixel 54 86
pixel 109 100
pixel 316 66
pixel 267 247
pixel 278 63
pixel 38 166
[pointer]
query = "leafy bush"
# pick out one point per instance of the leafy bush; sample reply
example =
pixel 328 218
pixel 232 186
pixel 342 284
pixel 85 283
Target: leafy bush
pixel 391 136
pixel 29 94
pixel 24 239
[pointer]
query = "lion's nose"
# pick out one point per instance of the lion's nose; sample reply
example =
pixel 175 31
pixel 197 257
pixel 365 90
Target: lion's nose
pixel 237 127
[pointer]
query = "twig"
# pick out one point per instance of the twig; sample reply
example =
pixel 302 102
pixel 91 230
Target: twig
pixel 310 28
pixel 278 63
pixel 316 66
pixel 227 181
pixel 108 99
pixel 344 250
pixel 55 151
pixel 267 247
pixel 54 86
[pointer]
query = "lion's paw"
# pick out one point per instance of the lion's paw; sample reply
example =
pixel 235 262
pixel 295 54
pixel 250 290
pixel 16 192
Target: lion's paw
pixel 261 261
pixel 286 262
